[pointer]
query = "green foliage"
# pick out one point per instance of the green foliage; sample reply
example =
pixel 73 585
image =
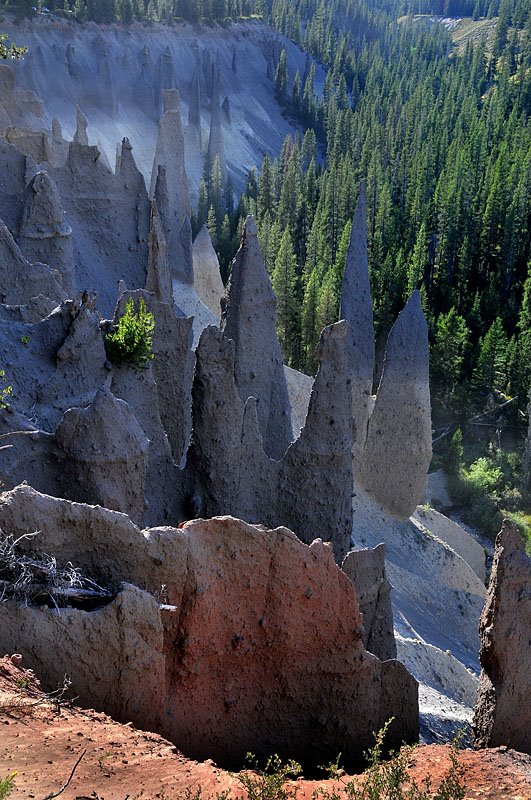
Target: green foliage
pixel 9 50
pixel 448 350
pixel 268 782
pixel 6 785
pixel 486 491
pixel 389 779
pixel 131 342
pixel 451 459
pixel 5 391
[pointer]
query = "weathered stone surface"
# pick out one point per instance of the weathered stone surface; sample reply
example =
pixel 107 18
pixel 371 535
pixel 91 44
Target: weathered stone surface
pixel 316 483
pixel 163 81
pixel 80 366
pixel 503 712
pixel 173 367
pixel 216 147
pixel 45 234
pixel 455 536
pixel 80 135
pixel 169 153
pixel 356 308
pixel 259 646
pixel 249 319
pixel 20 107
pixel 398 445
pixel 366 570
pixel 127 637
pixel 194 108
pixel 221 475
pixel 109 216
pixel 158 271
pixel 36 144
pixel 21 281
pixel 105 455
pixel 207 277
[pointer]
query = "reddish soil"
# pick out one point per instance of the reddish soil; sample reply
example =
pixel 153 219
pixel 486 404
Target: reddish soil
pixel 42 743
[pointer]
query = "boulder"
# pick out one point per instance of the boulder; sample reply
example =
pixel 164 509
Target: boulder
pixel 503 712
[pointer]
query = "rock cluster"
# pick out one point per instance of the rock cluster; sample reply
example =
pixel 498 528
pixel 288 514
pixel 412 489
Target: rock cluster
pixel 258 645
pixel 503 712
pixel 202 434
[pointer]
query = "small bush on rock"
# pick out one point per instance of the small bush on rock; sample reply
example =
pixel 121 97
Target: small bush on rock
pixel 131 342
pixel 6 785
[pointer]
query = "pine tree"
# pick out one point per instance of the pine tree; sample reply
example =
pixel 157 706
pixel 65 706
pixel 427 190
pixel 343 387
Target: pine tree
pixel 281 77
pixel 491 369
pixel 448 351
pixel 284 281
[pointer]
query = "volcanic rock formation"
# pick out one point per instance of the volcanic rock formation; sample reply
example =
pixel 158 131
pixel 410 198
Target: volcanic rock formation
pixel 503 711
pixel 249 319
pixel 228 669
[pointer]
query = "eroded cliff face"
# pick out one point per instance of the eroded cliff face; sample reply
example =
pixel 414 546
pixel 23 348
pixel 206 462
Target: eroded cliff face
pixel 117 76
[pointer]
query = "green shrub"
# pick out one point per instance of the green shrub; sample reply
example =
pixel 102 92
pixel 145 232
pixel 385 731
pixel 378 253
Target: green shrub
pixel 131 342
pixel 389 779
pixel 5 391
pixel 523 523
pixel 269 782
pixel 6 785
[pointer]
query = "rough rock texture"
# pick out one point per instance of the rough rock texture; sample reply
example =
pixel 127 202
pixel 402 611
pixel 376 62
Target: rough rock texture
pixel 222 481
pixel 44 233
pixel 126 634
pixel 366 570
pixel 216 148
pixel 105 455
pixel 80 135
pixel 172 366
pixel 299 391
pixel 503 711
pixel 109 216
pixel 22 281
pixel 356 308
pixel 398 446
pixel 260 652
pixel 139 390
pixel 80 366
pixel 169 154
pixel 455 536
pixel 310 488
pixel 207 277
pixel 315 487
pixel 249 319
pixel 158 271
pixel 18 106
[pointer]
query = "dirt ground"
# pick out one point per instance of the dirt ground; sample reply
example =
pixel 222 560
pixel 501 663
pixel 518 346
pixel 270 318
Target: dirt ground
pixel 42 740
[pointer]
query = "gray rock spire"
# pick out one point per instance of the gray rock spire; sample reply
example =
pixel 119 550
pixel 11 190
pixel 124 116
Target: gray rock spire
pixel 22 281
pixel 398 446
pixel 316 483
pixel 207 277
pixel 105 455
pixel 356 308
pixel 164 79
pixel 249 319
pixel 80 136
pixel 194 107
pixel 158 271
pixel 169 154
pixel 44 232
